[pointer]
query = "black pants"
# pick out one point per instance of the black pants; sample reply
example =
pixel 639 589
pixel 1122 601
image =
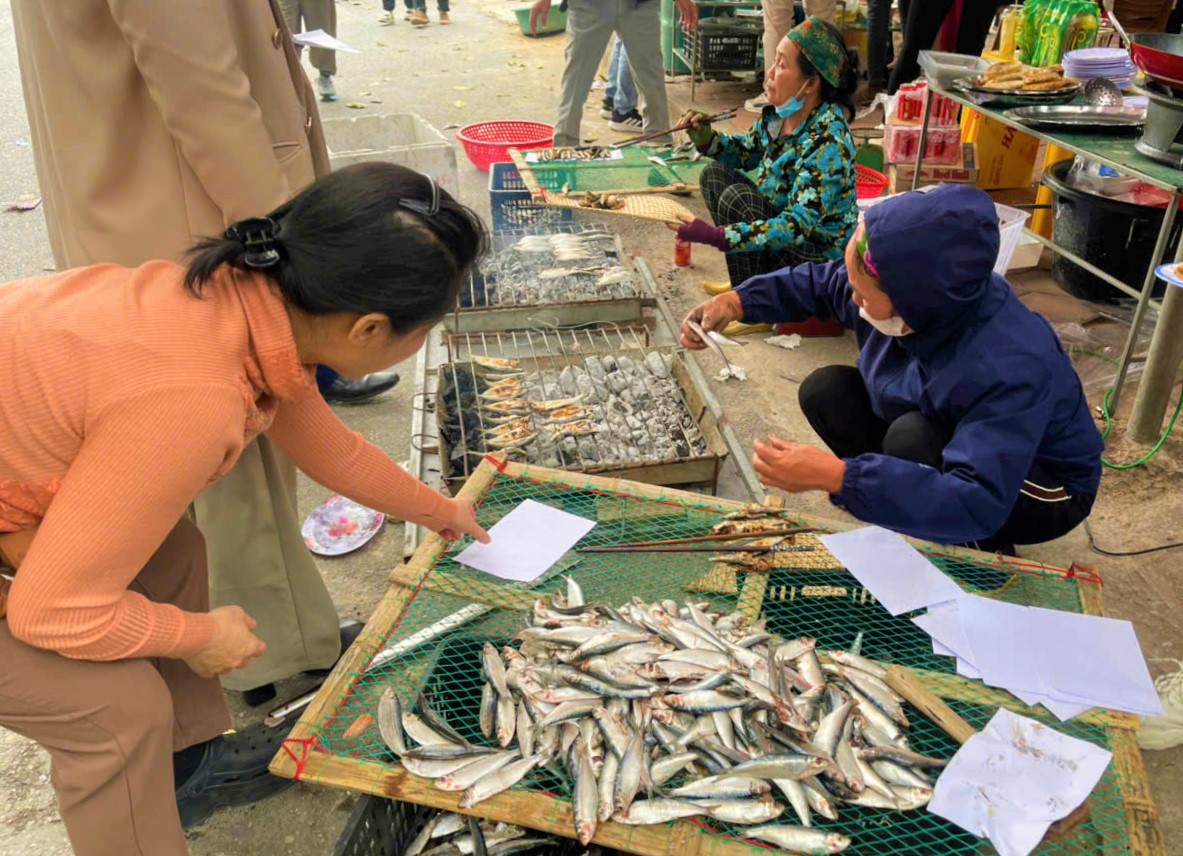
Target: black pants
pixel 922 25
pixel 835 401
pixel 731 197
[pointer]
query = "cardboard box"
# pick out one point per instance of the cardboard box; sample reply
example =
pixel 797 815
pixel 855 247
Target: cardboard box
pixel 1006 157
pixel 966 172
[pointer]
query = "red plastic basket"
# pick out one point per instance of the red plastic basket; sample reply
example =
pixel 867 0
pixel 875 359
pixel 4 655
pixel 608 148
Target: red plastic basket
pixel 487 143
pixel 869 184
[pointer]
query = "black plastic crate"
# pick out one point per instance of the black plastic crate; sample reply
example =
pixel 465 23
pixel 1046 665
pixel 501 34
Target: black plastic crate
pixel 383 827
pixel 726 45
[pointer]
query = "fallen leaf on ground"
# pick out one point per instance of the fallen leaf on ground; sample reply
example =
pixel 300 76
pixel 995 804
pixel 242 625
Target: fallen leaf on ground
pixel 355 105
pixel 25 203
pixel 460 105
pixel 375 100
pixel 462 88
pixel 380 43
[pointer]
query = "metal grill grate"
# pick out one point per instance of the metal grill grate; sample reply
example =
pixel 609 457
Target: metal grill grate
pixel 645 412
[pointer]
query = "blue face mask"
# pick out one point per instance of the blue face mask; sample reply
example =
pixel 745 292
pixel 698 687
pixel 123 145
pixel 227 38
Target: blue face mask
pixel 793 105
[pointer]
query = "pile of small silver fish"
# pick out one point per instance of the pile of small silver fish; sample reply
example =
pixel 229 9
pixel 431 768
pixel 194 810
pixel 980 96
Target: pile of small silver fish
pixel 557 268
pixel 609 410
pixel 450 834
pixel 661 711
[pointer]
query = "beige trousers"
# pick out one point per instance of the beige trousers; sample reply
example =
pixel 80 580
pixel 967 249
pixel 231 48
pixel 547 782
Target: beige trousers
pixel 258 561
pixel 778 20
pixel 306 15
pixel 111 728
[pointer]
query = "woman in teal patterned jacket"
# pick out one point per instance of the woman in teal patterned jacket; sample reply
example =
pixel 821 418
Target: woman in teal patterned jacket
pixel 801 208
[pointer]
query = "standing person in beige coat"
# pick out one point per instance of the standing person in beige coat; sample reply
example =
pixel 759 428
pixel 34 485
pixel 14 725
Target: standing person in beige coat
pixel 155 124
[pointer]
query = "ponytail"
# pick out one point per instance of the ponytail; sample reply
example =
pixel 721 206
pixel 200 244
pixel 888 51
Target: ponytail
pixel 372 237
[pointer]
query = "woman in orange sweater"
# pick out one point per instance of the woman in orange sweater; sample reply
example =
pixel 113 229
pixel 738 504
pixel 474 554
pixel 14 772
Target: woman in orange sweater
pixel 133 389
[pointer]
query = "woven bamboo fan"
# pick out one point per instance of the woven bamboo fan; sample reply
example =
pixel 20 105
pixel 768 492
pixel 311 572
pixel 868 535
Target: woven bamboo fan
pixel 643 206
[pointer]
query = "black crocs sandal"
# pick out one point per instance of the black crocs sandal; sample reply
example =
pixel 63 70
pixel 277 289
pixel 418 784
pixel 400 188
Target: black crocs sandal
pixel 233 772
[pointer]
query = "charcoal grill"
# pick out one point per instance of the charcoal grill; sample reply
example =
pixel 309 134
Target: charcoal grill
pixel 488 304
pixel 688 452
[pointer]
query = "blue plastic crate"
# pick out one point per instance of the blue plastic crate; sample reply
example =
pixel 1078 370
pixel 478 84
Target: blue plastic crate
pixel 513 206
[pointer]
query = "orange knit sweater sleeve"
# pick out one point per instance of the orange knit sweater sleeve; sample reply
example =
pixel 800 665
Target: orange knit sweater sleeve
pixel 342 460
pixel 142 461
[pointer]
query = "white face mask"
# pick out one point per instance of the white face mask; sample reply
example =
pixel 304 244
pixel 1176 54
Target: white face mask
pixel 893 326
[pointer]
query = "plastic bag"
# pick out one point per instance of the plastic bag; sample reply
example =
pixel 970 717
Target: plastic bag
pixel 1097 359
pixel 1165 732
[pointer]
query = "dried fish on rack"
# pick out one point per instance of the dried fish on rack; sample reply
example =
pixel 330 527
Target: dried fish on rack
pixel 661 711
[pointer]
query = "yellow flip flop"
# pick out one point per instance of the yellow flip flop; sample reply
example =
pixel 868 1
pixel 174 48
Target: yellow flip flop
pixel 716 286
pixel 738 328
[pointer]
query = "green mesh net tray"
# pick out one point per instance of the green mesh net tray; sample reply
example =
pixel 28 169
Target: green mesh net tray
pixel 438 614
pixel 639 169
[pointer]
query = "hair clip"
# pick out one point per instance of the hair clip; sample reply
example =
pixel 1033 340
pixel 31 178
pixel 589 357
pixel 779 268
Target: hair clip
pixel 257 235
pixel 421 207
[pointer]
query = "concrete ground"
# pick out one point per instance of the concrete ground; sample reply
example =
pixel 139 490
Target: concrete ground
pixel 483 68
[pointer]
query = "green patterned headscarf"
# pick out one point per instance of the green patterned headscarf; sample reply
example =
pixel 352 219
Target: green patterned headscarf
pixel 823 47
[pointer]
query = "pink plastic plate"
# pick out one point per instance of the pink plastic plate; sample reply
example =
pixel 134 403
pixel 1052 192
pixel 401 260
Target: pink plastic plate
pixel 339 526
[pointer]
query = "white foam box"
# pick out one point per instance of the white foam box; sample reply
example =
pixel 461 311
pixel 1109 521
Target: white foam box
pixel 403 138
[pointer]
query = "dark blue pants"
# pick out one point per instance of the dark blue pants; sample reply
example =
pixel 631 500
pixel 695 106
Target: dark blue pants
pixel 325 377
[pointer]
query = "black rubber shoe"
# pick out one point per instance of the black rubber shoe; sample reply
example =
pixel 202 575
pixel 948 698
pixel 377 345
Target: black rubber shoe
pixel 233 772
pixel 344 391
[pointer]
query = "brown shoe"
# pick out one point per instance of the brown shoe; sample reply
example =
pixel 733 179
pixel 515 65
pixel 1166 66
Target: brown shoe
pixel 445 18
pixel 419 19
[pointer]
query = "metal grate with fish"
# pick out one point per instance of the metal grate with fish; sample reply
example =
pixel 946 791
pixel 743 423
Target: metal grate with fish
pixel 587 400
pixel 565 275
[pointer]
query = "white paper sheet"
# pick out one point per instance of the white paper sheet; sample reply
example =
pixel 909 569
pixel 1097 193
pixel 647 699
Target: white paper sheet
pixel 968 670
pixel 943 623
pixel 321 39
pixel 1014 779
pixel 1002 639
pixel 1087 658
pixel 526 542
pixel 941 651
pixel 891 569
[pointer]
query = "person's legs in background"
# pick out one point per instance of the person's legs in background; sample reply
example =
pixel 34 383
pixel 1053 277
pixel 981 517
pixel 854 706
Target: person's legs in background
pixel 387 13
pixel 878 35
pixel 307 15
pixel 921 25
pixel 625 116
pixel 444 10
pixel 613 73
pixel 410 13
pixel 974 27
pixel 835 401
pixel 639 27
pixel 590 23
pixel 827 10
pixel 778 20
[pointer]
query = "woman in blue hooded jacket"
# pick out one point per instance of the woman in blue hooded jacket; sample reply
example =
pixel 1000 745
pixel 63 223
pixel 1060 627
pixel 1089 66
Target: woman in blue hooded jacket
pixel 964 420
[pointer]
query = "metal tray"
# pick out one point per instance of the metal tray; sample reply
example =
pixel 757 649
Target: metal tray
pixel 1014 98
pixel 1079 118
pixel 556 350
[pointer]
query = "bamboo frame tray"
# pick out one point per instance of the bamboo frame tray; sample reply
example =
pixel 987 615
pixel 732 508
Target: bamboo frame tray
pixel 1124 818
pixel 643 207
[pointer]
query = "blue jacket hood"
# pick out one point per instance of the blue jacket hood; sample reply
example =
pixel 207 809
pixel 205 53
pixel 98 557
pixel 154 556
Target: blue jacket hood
pixel 935 253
